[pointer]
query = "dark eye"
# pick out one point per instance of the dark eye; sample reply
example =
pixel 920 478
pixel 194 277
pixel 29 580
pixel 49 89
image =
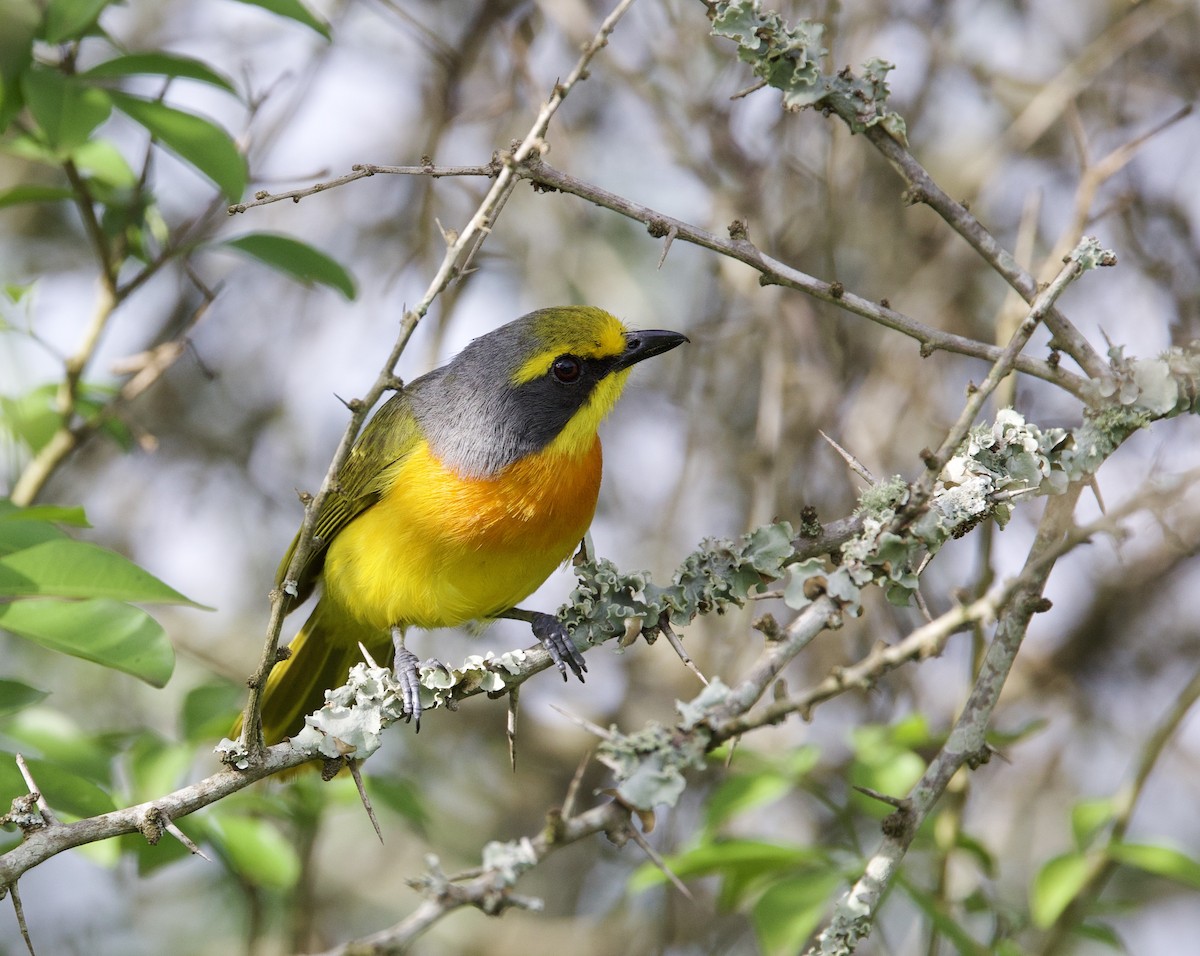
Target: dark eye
pixel 567 369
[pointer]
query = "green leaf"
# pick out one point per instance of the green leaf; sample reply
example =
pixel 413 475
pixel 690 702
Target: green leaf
pixel 79 569
pixel 21 19
pixel 31 418
pixel 1089 817
pixel 744 792
pixel 786 915
pixel 1102 933
pixel 100 161
pixel 33 193
pixel 100 630
pixel 156 766
pixel 19 535
pixel 64 789
pixel 937 911
pixel 293 10
pixel 208 710
pixel 1160 860
pixel 52 736
pixel 157 63
pixel 70 19
pixel 66 110
pixel 975 848
pixel 729 857
pixel 59 514
pixel 197 141
pixel 256 850
pixel 1056 886
pixel 297 259
pixel 16 696
pixel 400 796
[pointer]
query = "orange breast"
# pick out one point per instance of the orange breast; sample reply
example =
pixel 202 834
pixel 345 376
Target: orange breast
pixel 438 550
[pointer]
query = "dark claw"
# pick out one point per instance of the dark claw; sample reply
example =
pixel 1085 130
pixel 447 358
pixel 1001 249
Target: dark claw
pixel 552 635
pixel 407 671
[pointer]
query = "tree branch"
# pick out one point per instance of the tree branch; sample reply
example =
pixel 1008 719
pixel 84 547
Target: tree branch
pixel 855 913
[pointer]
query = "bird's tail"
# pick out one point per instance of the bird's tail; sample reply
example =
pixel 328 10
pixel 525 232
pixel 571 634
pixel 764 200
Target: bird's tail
pixel 323 651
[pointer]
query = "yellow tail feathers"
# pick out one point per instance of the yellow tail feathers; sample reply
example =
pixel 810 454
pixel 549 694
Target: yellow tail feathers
pixel 323 652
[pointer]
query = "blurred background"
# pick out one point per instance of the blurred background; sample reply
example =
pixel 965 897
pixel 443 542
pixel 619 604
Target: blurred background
pixel 1010 105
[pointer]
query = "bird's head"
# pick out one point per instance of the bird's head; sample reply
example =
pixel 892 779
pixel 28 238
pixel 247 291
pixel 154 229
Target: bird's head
pixel 542 382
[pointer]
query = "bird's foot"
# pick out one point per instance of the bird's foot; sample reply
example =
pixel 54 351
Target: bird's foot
pixel 553 636
pixel 406 669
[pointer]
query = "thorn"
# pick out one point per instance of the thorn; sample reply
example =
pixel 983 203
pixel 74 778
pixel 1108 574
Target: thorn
pixel 568 806
pixel 1095 487
pixel 186 840
pixel 900 803
pixel 670 238
pixel 20 911
pixel 367 655
pixel 921 605
pixel 659 862
pixel 748 90
pixel 449 236
pixel 510 730
pixel 362 795
pixel 856 466
pixel 664 625
pixel 582 722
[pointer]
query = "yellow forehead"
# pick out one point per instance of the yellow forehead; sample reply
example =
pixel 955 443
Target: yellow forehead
pixel 585 332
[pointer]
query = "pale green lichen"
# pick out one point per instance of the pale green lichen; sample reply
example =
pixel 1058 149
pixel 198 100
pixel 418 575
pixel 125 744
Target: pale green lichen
pixel 697 710
pixel 507 861
pixel 354 715
pixel 648 765
pixel 787 58
pixel 718 574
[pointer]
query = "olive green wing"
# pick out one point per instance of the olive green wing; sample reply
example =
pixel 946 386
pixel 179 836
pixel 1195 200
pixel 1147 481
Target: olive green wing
pixel 389 437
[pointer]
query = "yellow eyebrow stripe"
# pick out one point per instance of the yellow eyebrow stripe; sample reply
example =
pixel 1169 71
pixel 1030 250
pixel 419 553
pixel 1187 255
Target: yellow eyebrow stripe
pixel 610 342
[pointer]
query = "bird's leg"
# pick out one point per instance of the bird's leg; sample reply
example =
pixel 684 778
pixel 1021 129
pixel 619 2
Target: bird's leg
pixel 553 636
pixel 406 670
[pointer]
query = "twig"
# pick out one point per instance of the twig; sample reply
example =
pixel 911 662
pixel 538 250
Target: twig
pixel 773 272
pixel 1102 866
pixel 39 845
pixel 489 891
pixel 362 171
pixel 922 188
pixel 1041 307
pixel 27 775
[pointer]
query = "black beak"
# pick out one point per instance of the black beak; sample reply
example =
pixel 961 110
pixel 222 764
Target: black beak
pixel 646 344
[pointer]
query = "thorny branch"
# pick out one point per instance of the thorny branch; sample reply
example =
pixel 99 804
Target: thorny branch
pixel 771 271
pixel 854 914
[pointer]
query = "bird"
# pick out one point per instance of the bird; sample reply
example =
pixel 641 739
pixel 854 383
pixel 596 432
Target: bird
pixel 462 494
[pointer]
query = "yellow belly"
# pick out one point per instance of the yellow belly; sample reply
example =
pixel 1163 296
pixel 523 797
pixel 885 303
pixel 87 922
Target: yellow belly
pixel 438 550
